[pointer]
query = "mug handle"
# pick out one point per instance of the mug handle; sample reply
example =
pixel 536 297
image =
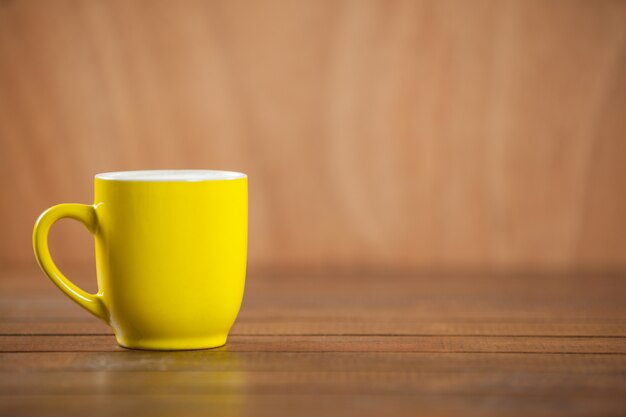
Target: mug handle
pixel 85 214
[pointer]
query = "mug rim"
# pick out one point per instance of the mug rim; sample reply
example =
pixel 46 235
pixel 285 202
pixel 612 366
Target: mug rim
pixel 170 175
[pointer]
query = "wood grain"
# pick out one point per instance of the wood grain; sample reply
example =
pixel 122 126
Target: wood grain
pixel 473 404
pixel 342 343
pixel 399 326
pixel 225 361
pixel 339 343
pixel 415 133
pixel 312 382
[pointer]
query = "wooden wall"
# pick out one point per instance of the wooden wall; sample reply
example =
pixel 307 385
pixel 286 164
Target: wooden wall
pixel 406 133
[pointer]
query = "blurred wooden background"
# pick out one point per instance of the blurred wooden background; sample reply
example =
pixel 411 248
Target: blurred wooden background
pixel 405 133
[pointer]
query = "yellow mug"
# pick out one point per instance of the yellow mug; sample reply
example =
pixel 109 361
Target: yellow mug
pixel 171 251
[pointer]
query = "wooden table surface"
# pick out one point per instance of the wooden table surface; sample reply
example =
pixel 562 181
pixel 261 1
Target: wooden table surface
pixel 338 342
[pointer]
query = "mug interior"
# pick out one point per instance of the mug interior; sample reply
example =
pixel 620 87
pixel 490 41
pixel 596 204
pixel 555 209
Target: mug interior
pixel 170 175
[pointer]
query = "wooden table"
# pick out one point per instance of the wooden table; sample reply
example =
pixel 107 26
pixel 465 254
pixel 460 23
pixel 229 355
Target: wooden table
pixel 335 342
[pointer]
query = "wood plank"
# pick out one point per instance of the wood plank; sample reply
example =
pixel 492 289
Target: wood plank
pixel 225 360
pixel 261 326
pixel 362 404
pixel 331 343
pixel 377 297
pixel 29 279
pixel 395 382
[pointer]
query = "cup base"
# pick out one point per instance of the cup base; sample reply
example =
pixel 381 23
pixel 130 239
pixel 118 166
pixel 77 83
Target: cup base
pixel 195 343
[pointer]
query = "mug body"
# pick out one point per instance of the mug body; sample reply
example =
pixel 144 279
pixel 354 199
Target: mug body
pixel 171 251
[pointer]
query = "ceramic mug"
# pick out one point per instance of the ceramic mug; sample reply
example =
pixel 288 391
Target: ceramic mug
pixel 170 255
